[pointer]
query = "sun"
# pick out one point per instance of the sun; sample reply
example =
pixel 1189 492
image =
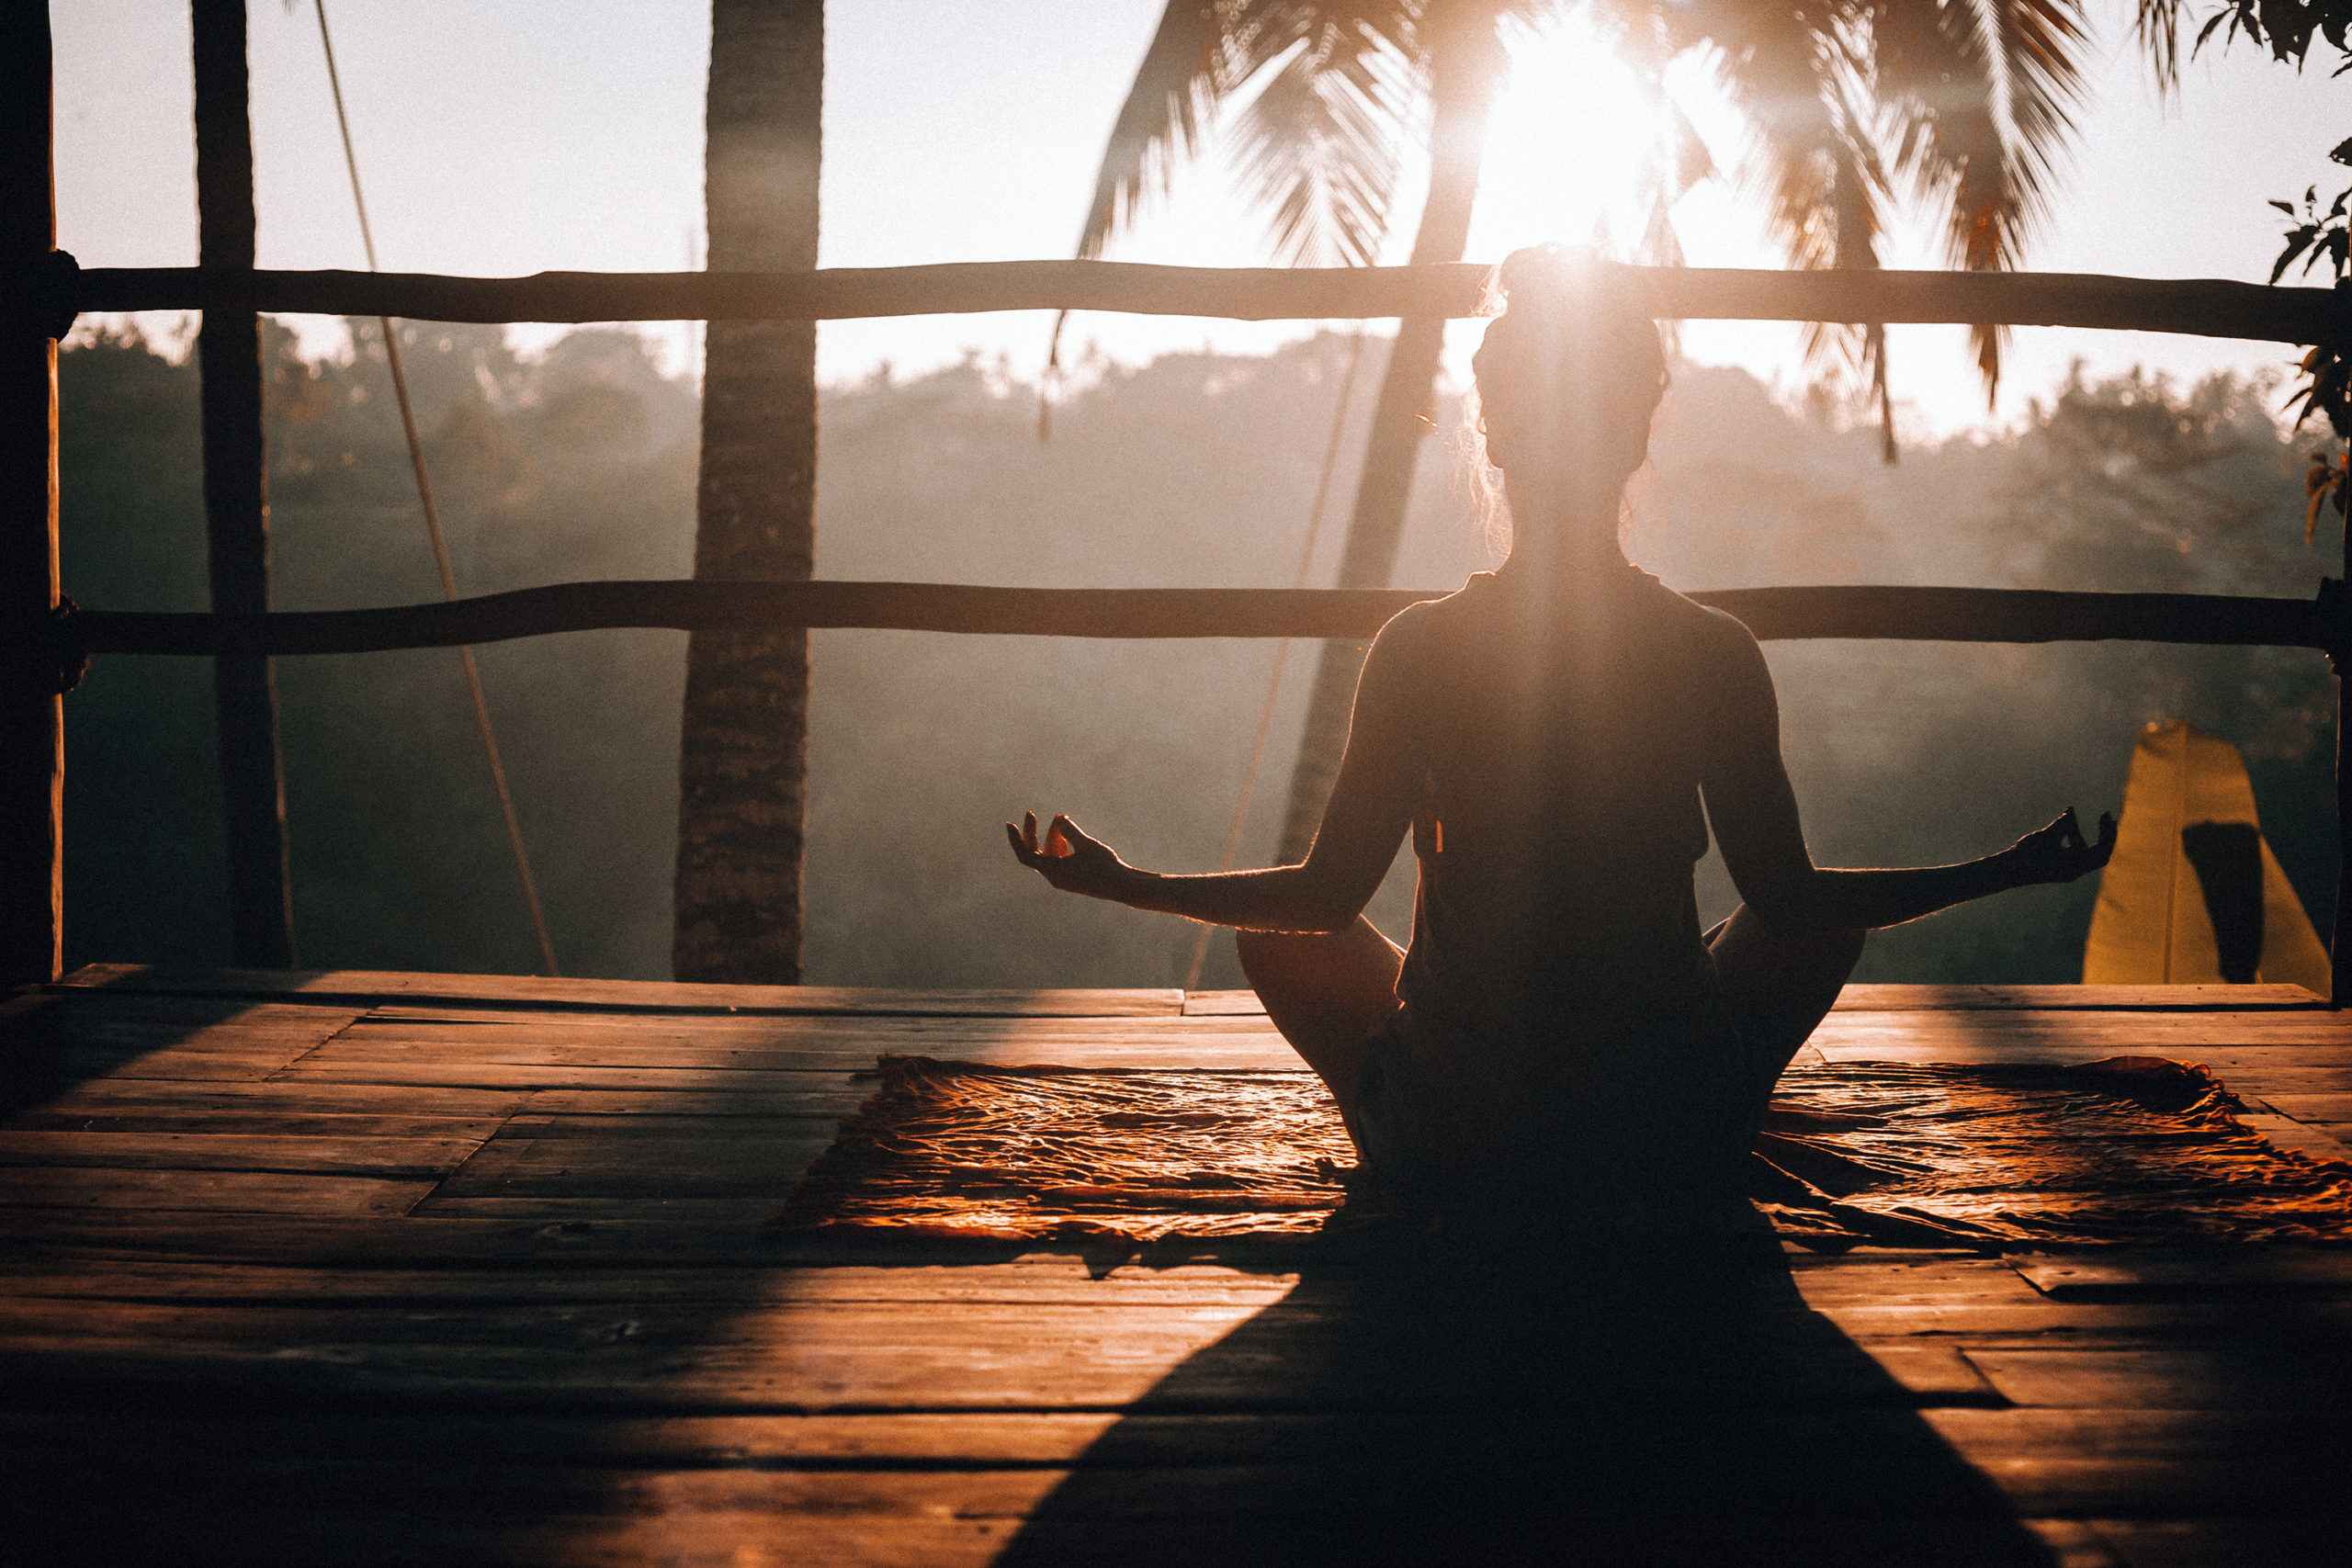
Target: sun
pixel 1576 141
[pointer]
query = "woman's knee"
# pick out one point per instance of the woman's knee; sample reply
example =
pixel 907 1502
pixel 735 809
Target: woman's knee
pixel 1751 957
pixel 1265 955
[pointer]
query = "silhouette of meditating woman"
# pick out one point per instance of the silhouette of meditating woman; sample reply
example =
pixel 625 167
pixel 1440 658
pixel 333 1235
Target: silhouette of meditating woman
pixel 1560 1028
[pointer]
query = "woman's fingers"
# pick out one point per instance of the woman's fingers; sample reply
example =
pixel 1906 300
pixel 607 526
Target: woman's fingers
pixel 1061 840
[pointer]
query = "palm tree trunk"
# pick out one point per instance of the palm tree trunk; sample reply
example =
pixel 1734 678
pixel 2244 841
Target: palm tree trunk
pixel 743 757
pixel 1465 67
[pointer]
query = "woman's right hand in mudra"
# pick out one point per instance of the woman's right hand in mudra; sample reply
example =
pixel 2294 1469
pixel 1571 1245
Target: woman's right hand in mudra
pixel 1066 857
pixel 2060 853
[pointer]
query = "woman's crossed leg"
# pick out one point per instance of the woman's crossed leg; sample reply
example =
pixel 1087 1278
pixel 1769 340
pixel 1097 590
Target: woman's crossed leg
pixel 1328 992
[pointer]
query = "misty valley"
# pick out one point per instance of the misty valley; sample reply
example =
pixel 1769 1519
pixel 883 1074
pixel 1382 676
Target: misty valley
pixel 1197 470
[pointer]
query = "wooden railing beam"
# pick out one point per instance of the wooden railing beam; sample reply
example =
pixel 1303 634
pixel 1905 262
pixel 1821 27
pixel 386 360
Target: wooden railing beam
pixel 1911 614
pixel 2203 306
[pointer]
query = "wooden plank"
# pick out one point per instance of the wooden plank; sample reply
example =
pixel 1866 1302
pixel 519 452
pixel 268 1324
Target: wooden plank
pixel 553 1280
pixel 392 1158
pixel 363 1241
pixel 2286 1133
pixel 818 1356
pixel 2323 1109
pixel 1991 1034
pixel 2092 1322
pixel 240 1191
pixel 813 1120
pixel 2158 1273
pixel 130 1019
pixel 457 1024
pixel 2223 1542
pixel 1223 1004
pixel 2238 1378
pixel 829 1094
pixel 790 1073
pixel 262 1124
pixel 168 1066
pixel 48 1051
pixel 1881 998
pixel 2320 1037
pixel 163 1098
pixel 1907 1500
pixel 763 1162
pixel 742 1215
pixel 372 986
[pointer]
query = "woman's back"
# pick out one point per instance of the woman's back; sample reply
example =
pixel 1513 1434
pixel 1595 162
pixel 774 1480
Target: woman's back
pixel 1560 1012
pixel 1566 746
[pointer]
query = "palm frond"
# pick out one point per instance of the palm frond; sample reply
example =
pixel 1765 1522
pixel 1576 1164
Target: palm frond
pixel 1812 157
pixel 1980 96
pixel 1318 147
pixel 1174 91
pixel 2156 27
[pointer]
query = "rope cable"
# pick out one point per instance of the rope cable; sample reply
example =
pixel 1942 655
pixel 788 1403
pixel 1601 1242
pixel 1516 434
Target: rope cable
pixel 432 521
pixel 1281 650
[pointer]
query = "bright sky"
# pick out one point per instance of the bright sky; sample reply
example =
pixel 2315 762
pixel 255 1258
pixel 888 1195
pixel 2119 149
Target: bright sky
pixel 507 138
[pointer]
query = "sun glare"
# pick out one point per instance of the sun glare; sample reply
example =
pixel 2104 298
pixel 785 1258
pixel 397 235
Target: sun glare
pixel 1577 141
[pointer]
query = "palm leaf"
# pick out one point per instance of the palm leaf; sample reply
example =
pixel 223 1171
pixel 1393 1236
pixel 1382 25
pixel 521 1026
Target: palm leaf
pixel 2156 27
pixel 1175 90
pixel 1981 94
pixel 1318 145
pixel 1813 157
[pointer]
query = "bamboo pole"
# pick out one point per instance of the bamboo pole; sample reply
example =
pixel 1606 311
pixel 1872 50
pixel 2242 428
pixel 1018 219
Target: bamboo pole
pixel 236 499
pixel 32 751
pixel 1913 615
pixel 2203 306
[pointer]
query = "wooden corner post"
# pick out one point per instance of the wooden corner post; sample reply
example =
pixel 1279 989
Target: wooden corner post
pixel 236 497
pixel 32 742
pixel 2335 609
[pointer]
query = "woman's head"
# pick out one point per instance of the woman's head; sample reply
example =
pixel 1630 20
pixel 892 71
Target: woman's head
pixel 1568 376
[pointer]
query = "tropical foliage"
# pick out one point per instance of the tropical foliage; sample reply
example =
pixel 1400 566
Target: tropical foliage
pixel 1851 106
pixel 2287 28
pixel 582 462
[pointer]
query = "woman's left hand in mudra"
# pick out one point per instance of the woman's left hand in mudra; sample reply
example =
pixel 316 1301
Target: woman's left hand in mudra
pixel 2060 853
pixel 1066 857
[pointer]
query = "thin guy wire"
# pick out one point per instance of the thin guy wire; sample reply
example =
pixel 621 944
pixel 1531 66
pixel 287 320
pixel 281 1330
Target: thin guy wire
pixel 1281 650
pixel 432 522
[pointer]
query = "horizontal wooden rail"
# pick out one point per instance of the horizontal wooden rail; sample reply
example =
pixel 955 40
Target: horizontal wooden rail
pixel 1911 614
pixel 2210 308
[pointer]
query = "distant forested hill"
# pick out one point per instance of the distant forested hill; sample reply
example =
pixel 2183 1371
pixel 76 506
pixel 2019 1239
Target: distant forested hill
pixel 1196 469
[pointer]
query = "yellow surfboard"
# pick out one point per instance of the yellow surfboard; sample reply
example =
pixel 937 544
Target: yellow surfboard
pixel 2193 894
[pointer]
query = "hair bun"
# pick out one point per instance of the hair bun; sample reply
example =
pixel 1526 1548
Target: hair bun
pixel 1555 273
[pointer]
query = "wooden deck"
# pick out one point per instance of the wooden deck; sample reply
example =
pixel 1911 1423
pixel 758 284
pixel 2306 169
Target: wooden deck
pixel 371 1267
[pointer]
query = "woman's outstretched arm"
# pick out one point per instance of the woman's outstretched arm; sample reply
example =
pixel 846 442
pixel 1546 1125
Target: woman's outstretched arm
pixel 1370 805
pixel 1754 813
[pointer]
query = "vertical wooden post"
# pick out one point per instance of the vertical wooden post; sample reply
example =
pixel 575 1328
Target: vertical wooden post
pixel 32 731
pixel 236 497
pixel 2337 599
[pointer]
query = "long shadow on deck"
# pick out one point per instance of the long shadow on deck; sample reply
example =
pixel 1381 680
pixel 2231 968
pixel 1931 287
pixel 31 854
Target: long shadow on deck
pixel 1609 1407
